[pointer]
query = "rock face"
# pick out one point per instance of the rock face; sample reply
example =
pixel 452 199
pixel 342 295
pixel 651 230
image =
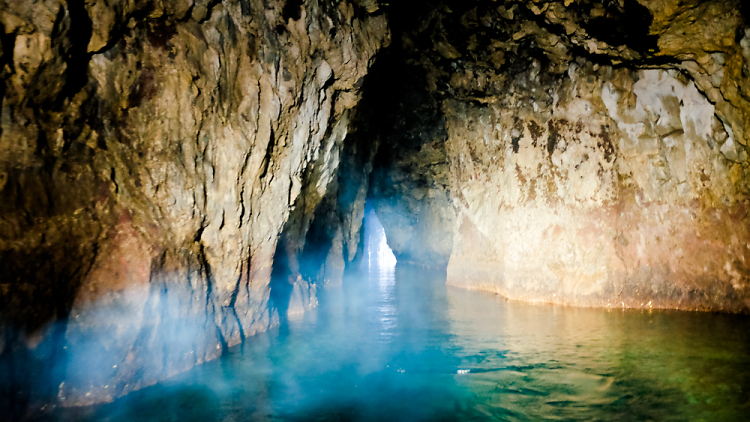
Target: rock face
pixel 150 155
pixel 614 192
pixel 176 177
pixel 322 237
pixel 595 153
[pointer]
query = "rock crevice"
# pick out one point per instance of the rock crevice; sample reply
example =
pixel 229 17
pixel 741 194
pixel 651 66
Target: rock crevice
pixel 150 155
pixel 177 176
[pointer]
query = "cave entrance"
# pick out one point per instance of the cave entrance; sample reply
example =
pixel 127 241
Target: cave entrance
pixel 376 254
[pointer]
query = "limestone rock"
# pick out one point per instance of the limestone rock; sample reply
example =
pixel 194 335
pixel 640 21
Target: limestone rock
pixel 595 151
pixel 176 176
pixel 150 155
pixel 591 203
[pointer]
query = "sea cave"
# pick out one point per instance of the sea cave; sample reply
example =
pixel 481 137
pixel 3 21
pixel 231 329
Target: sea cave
pixel 373 210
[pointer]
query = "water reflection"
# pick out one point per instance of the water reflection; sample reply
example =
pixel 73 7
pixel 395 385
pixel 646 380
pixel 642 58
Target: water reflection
pixel 379 266
pixel 389 345
pixel 572 363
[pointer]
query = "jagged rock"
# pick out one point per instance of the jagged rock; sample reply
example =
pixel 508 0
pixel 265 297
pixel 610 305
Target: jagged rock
pixel 176 176
pixel 612 195
pixel 151 154
pixel 574 176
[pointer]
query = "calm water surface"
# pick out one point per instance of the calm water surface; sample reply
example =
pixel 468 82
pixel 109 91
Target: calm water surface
pixel 389 345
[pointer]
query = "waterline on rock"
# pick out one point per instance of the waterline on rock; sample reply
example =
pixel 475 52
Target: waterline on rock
pixel 421 350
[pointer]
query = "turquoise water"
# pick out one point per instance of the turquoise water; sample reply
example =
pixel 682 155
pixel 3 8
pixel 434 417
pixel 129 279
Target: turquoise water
pixel 389 346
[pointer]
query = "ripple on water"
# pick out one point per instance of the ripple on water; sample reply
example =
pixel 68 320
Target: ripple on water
pixel 389 346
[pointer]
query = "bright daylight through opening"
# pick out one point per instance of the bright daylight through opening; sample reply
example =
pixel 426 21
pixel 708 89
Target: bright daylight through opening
pixel 376 253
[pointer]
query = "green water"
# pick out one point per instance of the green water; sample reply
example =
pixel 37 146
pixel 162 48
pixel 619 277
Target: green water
pixel 388 346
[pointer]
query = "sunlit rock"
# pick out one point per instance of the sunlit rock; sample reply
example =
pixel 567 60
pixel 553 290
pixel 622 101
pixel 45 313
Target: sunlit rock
pixel 178 176
pixel 592 157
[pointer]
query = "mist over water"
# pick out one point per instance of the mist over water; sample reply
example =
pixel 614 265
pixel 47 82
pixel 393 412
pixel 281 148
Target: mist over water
pixel 395 343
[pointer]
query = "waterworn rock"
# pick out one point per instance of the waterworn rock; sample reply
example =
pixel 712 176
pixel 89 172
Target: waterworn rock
pixel 149 157
pixel 575 177
pixel 613 193
pixel 323 236
pixel 175 177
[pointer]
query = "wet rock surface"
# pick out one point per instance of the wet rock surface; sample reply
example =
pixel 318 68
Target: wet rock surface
pixel 177 176
pixel 150 156
pixel 593 200
pixel 593 153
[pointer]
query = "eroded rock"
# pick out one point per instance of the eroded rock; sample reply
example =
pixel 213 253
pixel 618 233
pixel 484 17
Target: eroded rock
pixel 150 156
pixel 161 163
pixel 617 195
pixel 596 151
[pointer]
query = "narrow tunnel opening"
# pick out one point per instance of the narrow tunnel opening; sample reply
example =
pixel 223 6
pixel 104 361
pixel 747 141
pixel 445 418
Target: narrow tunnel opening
pixel 377 254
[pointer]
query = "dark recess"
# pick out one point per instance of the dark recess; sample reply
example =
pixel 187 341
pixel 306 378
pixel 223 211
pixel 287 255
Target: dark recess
pixel 77 56
pixel 292 10
pixel 159 32
pixel 628 26
pixel 282 280
pixel 514 143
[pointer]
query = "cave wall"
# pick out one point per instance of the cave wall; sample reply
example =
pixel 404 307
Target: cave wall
pixel 616 190
pixel 323 237
pixel 150 154
pixel 595 152
pixel 166 168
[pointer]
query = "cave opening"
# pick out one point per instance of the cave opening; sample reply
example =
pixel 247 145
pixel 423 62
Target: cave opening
pixel 376 253
pixel 369 210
